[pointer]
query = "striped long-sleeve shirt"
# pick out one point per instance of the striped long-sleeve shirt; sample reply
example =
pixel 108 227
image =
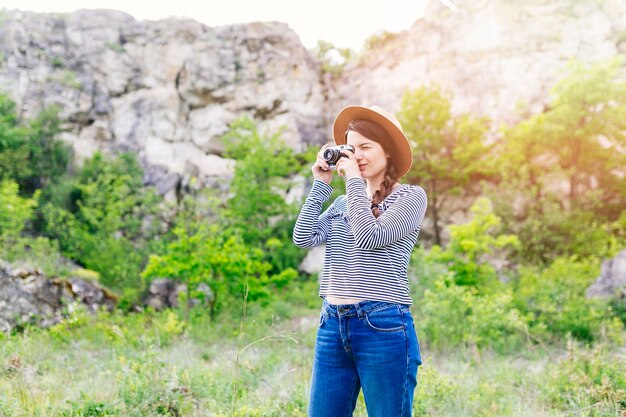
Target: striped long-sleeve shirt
pixel 366 257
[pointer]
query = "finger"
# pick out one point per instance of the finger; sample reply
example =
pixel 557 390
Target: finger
pixel 322 161
pixel 349 155
pixel 318 167
pixel 345 162
pixel 322 164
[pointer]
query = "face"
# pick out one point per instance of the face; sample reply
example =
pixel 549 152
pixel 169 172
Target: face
pixel 369 154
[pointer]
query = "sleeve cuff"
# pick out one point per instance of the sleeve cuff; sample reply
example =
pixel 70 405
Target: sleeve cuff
pixel 321 190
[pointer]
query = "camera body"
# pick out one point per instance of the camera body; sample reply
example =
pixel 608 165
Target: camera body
pixel 332 154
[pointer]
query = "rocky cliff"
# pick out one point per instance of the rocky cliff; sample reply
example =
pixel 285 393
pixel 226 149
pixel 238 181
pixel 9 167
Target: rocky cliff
pixel 167 90
pixel 28 297
pixel 491 55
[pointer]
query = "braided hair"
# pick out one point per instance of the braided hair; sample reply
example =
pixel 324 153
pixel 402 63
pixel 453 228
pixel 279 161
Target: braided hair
pixel 375 132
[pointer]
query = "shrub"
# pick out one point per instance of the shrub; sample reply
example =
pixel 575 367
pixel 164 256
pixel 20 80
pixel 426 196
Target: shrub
pixel 453 315
pixel 555 300
pixel 14 210
pixel 592 380
pixel 30 153
pixel 433 392
pixel 224 263
pixel 470 246
pixel 104 222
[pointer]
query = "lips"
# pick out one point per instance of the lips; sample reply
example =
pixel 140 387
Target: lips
pixel 361 167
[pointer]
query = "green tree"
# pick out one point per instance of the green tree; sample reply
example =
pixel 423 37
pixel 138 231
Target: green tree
pixel 562 171
pixel 450 156
pixel 241 240
pixel 586 132
pixel 257 208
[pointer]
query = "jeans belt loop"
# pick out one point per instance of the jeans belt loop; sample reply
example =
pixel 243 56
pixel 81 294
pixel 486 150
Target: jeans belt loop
pixel 359 312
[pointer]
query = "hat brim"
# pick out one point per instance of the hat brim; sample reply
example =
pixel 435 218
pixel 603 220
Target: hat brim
pixel 401 152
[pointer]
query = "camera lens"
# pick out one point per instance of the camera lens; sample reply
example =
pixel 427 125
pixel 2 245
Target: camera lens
pixel 330 155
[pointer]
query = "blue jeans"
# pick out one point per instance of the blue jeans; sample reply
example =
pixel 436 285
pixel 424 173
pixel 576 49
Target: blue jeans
pixel 370 345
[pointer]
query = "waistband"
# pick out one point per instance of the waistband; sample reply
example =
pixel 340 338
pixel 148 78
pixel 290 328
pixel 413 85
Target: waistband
pixel 358 309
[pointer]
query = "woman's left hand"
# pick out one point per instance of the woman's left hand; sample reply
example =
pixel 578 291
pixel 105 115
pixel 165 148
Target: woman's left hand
pixel 348 167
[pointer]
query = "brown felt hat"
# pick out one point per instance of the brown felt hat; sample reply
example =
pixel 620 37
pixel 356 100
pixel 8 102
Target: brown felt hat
pixel 400 150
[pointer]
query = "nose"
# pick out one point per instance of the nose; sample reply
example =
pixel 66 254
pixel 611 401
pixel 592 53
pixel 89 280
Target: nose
pixel 358 155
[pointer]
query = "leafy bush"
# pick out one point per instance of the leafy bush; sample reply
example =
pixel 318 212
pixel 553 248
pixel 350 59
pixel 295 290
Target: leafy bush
pixel 14 210
pixel 555 300
pixel 224 263
pixel 30 154
pixel 15 213
pixel 548 231
pixel 379 40
pixel 89 408
pixel 471 244
pixel 453 315
pixel 461 300
pixel 37 252
pixel 424 272
pixel 102 222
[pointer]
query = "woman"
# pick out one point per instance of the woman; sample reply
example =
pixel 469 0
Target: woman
pixel 366 337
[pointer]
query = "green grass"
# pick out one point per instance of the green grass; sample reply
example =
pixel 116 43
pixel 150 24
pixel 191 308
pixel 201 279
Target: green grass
pixel 157 364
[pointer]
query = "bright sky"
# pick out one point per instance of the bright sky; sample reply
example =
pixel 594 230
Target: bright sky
pixel 344 23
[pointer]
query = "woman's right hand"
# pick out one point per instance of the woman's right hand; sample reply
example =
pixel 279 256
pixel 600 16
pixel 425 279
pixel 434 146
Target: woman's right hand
pixel 320 169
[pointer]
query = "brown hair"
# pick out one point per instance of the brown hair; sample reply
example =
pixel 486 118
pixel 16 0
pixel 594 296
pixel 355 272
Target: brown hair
pixel 375 132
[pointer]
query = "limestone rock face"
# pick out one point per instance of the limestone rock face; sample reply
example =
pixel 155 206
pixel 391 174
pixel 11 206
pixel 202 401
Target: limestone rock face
pixel 29 297
pixel 167 90
pixel 612 279
pixel 164 90
pixel 491 55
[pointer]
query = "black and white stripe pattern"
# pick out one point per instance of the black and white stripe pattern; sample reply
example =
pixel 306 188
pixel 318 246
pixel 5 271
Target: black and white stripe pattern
pixel 366 257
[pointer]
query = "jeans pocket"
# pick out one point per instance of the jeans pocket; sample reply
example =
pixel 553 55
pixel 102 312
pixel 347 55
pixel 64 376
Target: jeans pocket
pixel 386 320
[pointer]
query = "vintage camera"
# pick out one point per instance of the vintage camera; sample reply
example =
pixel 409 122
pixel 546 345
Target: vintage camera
pixel 332 154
